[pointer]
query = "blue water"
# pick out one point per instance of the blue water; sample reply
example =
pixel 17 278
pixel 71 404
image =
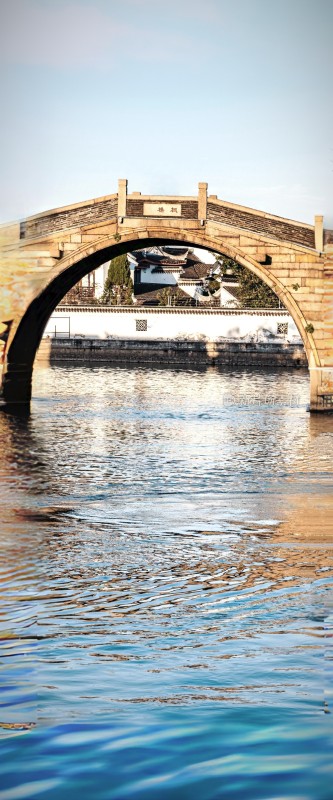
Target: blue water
pixel 166 588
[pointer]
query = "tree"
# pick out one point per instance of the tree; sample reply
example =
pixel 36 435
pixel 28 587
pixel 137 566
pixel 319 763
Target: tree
pixel 253 292
pixel 118 286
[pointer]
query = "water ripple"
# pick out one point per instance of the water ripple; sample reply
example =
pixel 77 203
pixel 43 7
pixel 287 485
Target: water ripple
pixel 166 588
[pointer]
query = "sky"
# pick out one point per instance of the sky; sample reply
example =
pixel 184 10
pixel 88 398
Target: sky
pixel 167 93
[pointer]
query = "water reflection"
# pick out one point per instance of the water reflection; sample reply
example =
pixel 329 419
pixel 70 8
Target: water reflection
pixel 166 548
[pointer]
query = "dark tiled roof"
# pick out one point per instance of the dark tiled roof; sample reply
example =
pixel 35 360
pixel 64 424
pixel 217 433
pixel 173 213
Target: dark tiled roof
pixel 230 279
pixel 192 258
pixel 158 262
pixel 175 251
pixel 168 256
pixel 147 294
pixel 173 258
pixel 196 271
pixel 168 265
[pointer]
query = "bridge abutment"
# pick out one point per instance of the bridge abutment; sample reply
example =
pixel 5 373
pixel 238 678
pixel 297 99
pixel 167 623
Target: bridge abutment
pixel 17 384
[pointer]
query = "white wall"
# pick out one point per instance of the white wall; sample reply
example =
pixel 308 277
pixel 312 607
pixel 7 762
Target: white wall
pixel 227 299
pixel 164 278
pixel 100 278
pixel 190 288
pixel 190 324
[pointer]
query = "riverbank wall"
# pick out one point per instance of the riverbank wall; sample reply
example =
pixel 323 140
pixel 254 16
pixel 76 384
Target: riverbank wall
pixel 183 353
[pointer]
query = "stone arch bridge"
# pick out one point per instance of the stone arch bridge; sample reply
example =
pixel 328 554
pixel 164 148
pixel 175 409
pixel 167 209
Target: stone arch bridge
pixel 43 256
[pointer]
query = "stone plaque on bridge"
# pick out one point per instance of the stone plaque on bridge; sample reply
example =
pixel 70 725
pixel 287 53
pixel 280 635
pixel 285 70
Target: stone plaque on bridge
pixel 162 209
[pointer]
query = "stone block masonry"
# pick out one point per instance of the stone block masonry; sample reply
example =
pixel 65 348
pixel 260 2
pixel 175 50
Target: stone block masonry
pixel 68 218
pixel 277 229
pixel 172 352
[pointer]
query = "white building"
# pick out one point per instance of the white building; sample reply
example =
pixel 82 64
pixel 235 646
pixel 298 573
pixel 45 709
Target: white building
pixel 180 269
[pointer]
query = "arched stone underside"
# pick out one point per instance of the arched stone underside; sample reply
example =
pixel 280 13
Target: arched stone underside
pixel 46 255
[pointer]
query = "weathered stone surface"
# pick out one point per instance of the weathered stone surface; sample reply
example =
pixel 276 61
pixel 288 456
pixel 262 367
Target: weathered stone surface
pixel 173 351
pixel 278 229
pixel 134 208
pixel 71 218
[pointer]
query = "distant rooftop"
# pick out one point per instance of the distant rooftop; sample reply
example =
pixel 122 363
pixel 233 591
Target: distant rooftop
pixel 171 258
pixel 148 294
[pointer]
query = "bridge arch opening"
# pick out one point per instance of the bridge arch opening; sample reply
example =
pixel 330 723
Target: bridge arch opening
pixel 23 342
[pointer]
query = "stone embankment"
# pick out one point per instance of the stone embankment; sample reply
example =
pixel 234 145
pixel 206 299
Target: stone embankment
pixel 184 353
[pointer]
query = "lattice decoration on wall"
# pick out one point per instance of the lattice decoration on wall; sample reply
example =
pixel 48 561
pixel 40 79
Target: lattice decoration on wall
pixel 141 325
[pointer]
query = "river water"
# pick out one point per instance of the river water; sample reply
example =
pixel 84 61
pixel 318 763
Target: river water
pixel 166 587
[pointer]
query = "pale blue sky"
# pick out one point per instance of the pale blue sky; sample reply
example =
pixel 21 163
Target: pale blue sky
pixel 167 93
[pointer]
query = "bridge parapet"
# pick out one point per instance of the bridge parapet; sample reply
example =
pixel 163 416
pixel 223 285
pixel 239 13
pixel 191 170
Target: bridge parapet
pixel 73 216
pixel 122 205
pixel 282 230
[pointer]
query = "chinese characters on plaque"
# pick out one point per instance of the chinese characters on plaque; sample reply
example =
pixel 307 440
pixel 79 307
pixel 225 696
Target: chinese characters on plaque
pixel 162 209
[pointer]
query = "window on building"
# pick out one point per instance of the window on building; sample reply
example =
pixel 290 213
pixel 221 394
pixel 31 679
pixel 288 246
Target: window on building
pixel 282 327
pixel 141 325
